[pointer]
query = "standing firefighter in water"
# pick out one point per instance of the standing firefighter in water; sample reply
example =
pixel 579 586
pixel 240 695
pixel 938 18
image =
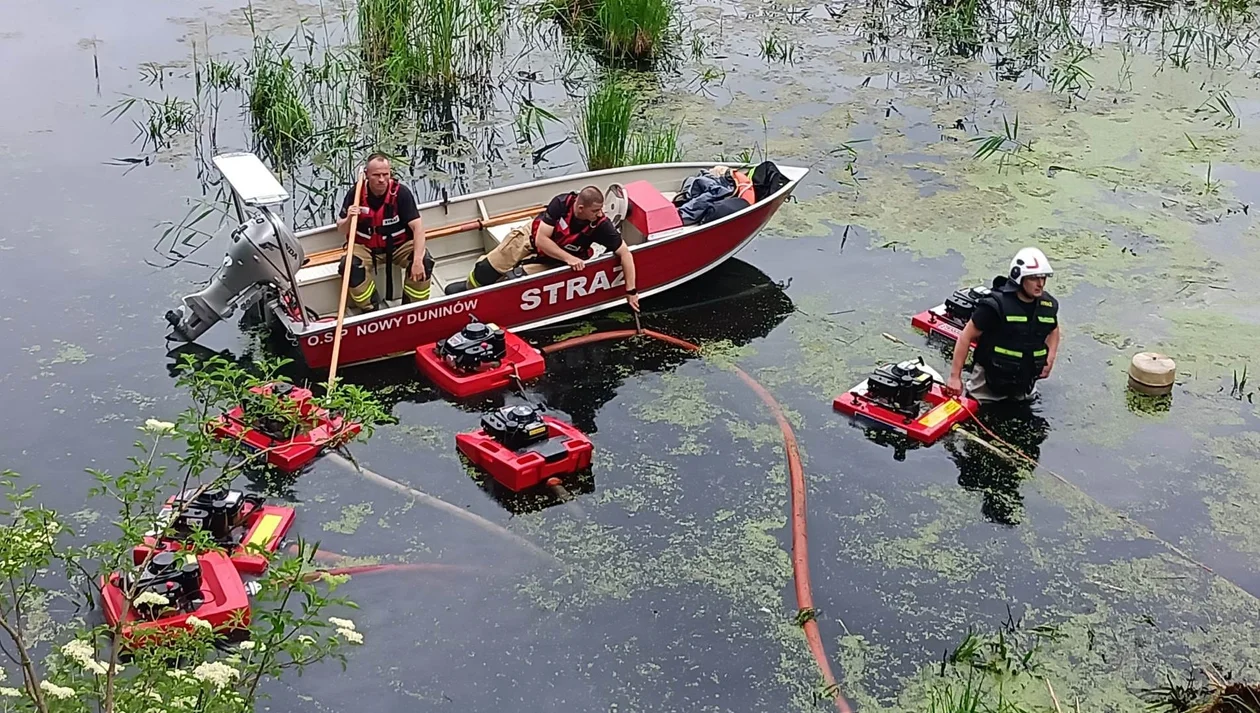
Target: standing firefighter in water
pixel 1016 330
pixel 560 235
pixel 389 230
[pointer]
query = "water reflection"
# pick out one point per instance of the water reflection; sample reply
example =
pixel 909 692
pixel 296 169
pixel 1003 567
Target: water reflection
pixel 995 477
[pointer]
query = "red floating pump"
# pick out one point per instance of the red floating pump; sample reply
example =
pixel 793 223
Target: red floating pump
pixel 895 395
pixel 206 586
pixel 947 320
pixel 289 452
pixel 520 448
pixel 478 358
pixel 239 523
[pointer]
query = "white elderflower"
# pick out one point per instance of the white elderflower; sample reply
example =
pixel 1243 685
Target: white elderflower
pixel 215 672
pixel 55 691
pixel 10 692
pixel 79 650
pixel 199 623
pixel 157 427
pixel 152 598
pixel 351 635
pixel 341 623
pixel 248 645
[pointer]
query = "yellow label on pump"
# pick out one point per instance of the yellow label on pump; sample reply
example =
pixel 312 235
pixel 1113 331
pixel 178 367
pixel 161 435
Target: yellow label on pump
pixel 264 530
pixel 940 413
pixel 536 431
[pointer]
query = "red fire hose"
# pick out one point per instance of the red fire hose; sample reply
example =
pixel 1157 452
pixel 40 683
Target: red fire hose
pixel 796 488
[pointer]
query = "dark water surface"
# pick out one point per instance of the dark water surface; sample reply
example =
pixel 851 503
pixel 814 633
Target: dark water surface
pixel 673 587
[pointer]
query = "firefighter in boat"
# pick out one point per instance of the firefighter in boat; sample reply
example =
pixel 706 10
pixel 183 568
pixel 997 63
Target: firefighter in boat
pixel 563 234
pixel 389 230
pixel 1016 331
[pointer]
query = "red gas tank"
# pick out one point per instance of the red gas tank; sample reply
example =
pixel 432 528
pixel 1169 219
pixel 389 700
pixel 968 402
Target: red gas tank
pixel 287 453
pixel 242 524
pixel 479 358
pixel 206 586
pixel 520 448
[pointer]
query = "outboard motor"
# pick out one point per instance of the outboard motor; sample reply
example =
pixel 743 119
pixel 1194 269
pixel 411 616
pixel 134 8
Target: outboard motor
pixel 475 346
pixel 176 576
pixel 516 427
pixel 900 387
pixel 261 252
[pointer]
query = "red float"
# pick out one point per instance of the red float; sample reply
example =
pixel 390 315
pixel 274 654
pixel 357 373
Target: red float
pixel 206 586
pixel 477 359
pixel 936 321
pixel 520 449
pixel 242 524
pixel 897 399
pixel 948 319
pixel 293 453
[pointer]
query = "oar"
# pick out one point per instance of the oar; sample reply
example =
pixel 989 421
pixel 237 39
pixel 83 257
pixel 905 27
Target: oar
pixel 345 280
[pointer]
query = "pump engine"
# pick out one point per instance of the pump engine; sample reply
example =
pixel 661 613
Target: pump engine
pixel 477 346
pixel 219 512
pixel 175 576
pixel 900 387
pixel 262 253
pixel 960 305
pixel 516 427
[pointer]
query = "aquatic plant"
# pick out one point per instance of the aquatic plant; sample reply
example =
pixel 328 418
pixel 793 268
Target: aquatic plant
pixel 281 119
pixel 290 627
pixel 1006 146
pixel 654 145
pixel 625 30
pixel 607 133
pixel 775 49
pixel 428 43
pixel 633 28
pixel 604 124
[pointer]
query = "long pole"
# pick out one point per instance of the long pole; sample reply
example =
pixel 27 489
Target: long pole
pixel 345 280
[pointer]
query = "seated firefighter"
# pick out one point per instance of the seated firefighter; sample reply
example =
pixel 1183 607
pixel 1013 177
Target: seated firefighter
pixel 389 229
pixel 563 234
pixel 1016 332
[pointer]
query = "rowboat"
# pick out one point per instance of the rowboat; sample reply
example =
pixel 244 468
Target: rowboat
pixel 294 277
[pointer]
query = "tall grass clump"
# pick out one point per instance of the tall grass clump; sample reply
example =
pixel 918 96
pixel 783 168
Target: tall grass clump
pixel 607 131
pixel 281 119
pixel 633 29
pixel 624 30
pixel 604 123
pixel 654 145
pixel 429 44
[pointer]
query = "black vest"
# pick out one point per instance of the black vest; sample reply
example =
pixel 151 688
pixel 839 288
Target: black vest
pixel 1014 353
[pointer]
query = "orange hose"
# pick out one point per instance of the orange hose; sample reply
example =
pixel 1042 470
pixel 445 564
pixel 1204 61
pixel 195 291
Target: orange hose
pixel 796 488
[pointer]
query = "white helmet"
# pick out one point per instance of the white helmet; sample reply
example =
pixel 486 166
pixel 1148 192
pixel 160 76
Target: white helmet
pixel 1029 262
pixel 616 204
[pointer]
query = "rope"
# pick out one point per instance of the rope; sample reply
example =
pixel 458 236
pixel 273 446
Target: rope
pixel 796 491
pixel 1014 451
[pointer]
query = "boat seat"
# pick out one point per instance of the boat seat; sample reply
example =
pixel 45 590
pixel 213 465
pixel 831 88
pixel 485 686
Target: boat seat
pixel 315 273
pixel 499 232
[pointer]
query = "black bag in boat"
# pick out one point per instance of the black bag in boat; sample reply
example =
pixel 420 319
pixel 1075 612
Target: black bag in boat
pixel 767 179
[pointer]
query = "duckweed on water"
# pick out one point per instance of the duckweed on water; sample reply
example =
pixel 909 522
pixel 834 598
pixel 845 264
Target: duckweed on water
pixel 352 517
